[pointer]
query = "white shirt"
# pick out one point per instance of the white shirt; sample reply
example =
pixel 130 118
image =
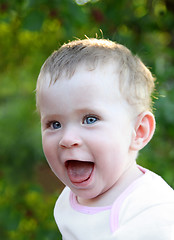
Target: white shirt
pixel 144 211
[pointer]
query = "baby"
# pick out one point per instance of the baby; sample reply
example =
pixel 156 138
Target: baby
pixel 94 99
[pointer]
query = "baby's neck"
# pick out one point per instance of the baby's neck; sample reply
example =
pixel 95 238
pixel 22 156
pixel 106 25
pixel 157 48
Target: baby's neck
pixel 108 197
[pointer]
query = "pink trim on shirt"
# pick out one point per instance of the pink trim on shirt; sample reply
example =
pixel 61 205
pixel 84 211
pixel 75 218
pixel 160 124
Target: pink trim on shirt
pixel 85 209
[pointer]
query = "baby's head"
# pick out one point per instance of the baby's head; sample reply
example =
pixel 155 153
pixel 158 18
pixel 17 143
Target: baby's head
pixel 94 99
pixel 136 82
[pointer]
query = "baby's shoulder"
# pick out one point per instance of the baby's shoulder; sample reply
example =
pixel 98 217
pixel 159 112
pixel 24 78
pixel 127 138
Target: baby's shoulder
pixel 149 206
pixel 152 199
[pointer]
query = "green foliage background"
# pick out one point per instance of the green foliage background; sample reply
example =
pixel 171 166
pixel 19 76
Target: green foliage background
pixel 29 32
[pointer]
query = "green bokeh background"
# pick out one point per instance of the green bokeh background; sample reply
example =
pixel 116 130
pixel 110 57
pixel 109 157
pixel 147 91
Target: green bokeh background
pixel 29 31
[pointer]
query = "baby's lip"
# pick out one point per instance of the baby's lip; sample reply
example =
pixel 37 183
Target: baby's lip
pixel 76 160
pixel 79 171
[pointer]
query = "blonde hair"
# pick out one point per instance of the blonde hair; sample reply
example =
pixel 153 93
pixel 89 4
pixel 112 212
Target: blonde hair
pixel 135 80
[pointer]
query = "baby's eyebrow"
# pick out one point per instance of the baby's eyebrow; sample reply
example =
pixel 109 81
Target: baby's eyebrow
pixel 83 109
pixel 50 117
pixel 86 109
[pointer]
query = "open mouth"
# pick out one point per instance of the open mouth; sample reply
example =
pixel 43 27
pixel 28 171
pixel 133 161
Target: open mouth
pixel 79 171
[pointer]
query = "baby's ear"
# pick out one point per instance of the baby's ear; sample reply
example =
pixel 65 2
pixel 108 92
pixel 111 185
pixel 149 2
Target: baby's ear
pixel 143 130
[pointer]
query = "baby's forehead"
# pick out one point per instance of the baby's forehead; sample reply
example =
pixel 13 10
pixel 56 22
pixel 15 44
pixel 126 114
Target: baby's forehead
pixel 85 79
pixel 85 88
pixel 102 82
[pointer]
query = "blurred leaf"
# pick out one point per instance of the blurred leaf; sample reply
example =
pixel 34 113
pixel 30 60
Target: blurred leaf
pixel 33 21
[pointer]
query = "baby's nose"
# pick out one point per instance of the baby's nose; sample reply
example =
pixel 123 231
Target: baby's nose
pixel 70 140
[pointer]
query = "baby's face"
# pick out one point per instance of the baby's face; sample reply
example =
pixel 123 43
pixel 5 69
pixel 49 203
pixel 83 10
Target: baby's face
pixel 86 130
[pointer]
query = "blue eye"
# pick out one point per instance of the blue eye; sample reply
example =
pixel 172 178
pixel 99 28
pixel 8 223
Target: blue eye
pixel 90 120
pixel 55 125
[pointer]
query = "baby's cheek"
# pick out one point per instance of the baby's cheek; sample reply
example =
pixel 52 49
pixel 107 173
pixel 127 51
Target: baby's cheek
pixel 50 154
pixel 48 147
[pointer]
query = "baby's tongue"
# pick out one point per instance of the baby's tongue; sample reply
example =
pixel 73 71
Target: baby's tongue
pixel 79 171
